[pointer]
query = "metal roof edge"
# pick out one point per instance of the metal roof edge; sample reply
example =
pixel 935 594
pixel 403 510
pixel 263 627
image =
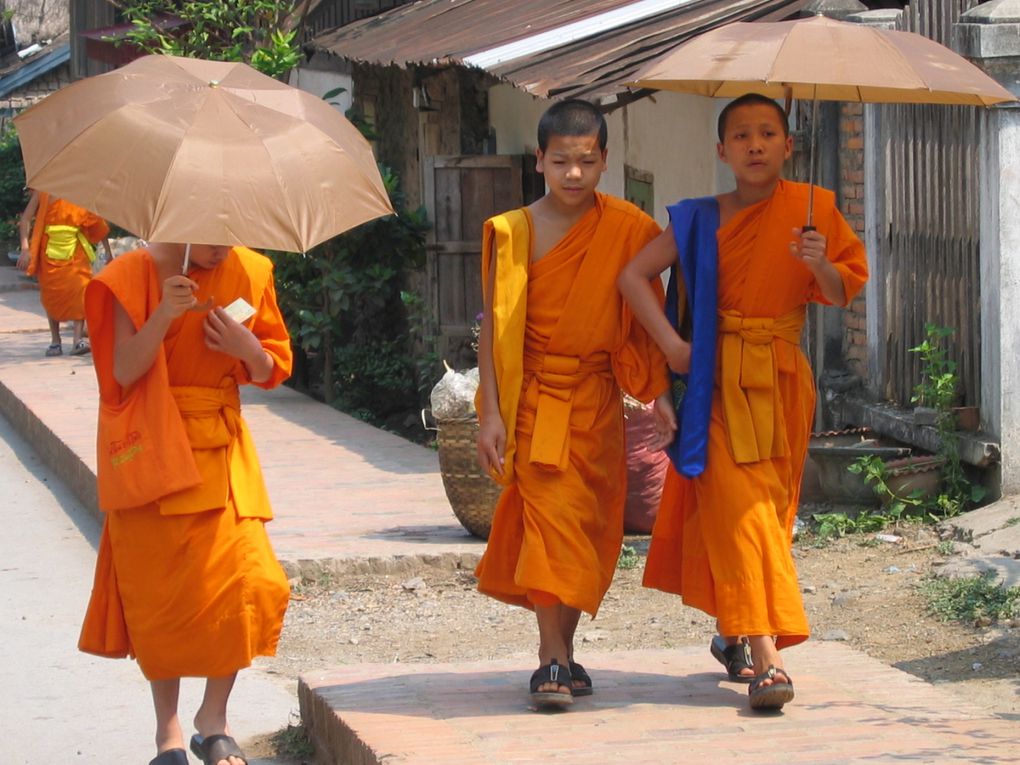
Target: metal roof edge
pixel 37 67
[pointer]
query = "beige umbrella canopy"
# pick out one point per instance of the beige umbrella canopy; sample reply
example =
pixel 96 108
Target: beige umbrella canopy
pixel 203 152
pixel 820 58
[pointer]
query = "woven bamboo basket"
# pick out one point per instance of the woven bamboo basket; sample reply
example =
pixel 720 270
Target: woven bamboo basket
pixel 472 494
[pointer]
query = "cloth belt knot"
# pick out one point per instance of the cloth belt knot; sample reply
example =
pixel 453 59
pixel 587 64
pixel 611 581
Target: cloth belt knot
pixel 749 381
pixel 557 378
pixel 61 242
pixel 220 407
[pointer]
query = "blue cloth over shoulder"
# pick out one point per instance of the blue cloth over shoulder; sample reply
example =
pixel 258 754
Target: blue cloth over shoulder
pixel 694 223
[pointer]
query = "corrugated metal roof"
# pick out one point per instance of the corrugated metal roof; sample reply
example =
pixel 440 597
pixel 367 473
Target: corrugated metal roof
pixel 35 67
pixel 551 48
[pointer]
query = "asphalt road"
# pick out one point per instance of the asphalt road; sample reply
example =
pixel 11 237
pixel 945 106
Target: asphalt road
pixel 58 705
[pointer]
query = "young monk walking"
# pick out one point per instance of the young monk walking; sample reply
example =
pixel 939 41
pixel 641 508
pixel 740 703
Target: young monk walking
pixel 746 271
pixel 555 348
pixel 186 580
pixel 59 250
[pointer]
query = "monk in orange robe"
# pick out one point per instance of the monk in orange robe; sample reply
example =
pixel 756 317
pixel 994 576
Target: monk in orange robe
pixel 186 580
pixel 60 253
pixel 723 532
pixel 555 348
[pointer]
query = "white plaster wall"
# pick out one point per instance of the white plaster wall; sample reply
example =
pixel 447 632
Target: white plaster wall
pixel 318 83
pixel 672 137
pixel 514 114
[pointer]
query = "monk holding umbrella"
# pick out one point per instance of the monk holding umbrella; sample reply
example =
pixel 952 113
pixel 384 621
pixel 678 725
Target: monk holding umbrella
pixel 201 158
pixel 744 265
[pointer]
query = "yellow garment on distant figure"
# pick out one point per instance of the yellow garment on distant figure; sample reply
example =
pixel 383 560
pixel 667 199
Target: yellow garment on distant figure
pixel 62 261
pixel 188 584
pixel 563 346
pixel 722 540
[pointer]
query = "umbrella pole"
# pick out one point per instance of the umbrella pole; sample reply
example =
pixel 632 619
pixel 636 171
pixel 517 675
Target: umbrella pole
pixel 187 256
pixel 811 165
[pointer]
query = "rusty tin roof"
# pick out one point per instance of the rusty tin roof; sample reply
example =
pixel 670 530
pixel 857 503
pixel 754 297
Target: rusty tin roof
pixel 549 48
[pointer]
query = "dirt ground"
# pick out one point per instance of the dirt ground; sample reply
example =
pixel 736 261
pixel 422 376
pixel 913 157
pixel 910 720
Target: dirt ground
pixel 855 589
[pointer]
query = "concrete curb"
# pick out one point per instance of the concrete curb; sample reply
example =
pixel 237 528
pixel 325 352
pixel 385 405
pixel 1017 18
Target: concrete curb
pixel 55 454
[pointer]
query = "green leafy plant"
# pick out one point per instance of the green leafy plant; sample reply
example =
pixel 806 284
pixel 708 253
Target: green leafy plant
pixel 938 389
pixel 629 558
pixel 837 525
pixel 876 475
pixel 969 598
pixel 292 742
pixel 262 33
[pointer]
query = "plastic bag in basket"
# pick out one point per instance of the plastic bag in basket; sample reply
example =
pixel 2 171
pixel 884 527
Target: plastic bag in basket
pixel 453 397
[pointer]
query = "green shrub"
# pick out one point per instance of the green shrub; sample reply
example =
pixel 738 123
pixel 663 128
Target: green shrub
pixel 12 186
pixel 358 331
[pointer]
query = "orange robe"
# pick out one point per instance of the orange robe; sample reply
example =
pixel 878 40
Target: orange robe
pixel 722 540
pixel 188 583
pixel 62 280
pixel 563 346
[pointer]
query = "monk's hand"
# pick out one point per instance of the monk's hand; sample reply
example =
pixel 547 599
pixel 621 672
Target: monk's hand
pixel 178 296
pixel 491 445
pixel 809 248
pixel 678 356
pixel 227 336
pixel 665 422
pixel 23 259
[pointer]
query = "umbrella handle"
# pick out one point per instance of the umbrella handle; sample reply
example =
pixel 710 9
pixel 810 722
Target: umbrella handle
pixel 809 227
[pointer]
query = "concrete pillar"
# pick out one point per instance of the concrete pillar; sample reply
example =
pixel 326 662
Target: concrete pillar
pixel 876 215
pixel 989 35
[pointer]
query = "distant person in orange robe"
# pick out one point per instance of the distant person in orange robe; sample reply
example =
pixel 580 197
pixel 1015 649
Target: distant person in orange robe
pixel 60 252
pixel 555 348
pixel 186 581
pixel 723 532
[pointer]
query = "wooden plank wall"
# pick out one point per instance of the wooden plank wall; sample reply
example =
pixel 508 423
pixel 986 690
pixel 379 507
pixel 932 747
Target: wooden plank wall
pixel 931 236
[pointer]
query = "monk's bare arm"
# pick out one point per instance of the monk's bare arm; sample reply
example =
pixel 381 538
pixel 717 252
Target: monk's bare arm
pixel 635 286
pixel 492 430
pixel 809 246
pixel 135 351
pixel 25 229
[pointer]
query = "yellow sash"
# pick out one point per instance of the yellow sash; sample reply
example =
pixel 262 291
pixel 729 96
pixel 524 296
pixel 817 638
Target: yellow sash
pixel 509 237
pixel 61 242
pixel 749 381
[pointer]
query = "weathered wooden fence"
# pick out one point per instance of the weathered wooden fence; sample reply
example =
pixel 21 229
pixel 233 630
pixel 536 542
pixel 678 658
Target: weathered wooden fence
pixel 928 227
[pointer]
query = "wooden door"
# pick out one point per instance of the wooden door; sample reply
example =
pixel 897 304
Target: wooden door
pixel 460 193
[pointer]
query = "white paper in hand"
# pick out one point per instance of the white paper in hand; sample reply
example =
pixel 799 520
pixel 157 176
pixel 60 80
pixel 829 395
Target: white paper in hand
pixel 240 310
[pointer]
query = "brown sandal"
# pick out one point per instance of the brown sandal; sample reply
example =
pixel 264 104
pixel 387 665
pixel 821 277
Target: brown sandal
pixel 771 696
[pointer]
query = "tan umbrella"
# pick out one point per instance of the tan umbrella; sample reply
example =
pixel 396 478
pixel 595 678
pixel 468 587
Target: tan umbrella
pixel 821 59
pixel 205 152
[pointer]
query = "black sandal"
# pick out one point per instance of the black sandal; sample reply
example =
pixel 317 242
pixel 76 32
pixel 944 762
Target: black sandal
pixel 170 757
pixel 554 672
pixel 212 749
pixel 770 696
pixel 579 675
pixel 734 657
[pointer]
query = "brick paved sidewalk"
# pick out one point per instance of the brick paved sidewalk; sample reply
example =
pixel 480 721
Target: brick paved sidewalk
pixel 649 707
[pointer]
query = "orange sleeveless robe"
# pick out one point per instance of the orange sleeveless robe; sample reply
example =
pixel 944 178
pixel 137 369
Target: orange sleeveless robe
pixel 722 540
pixel 189 584
pixel 558 526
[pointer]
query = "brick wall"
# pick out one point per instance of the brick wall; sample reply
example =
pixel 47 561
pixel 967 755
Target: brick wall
pixel 851 204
